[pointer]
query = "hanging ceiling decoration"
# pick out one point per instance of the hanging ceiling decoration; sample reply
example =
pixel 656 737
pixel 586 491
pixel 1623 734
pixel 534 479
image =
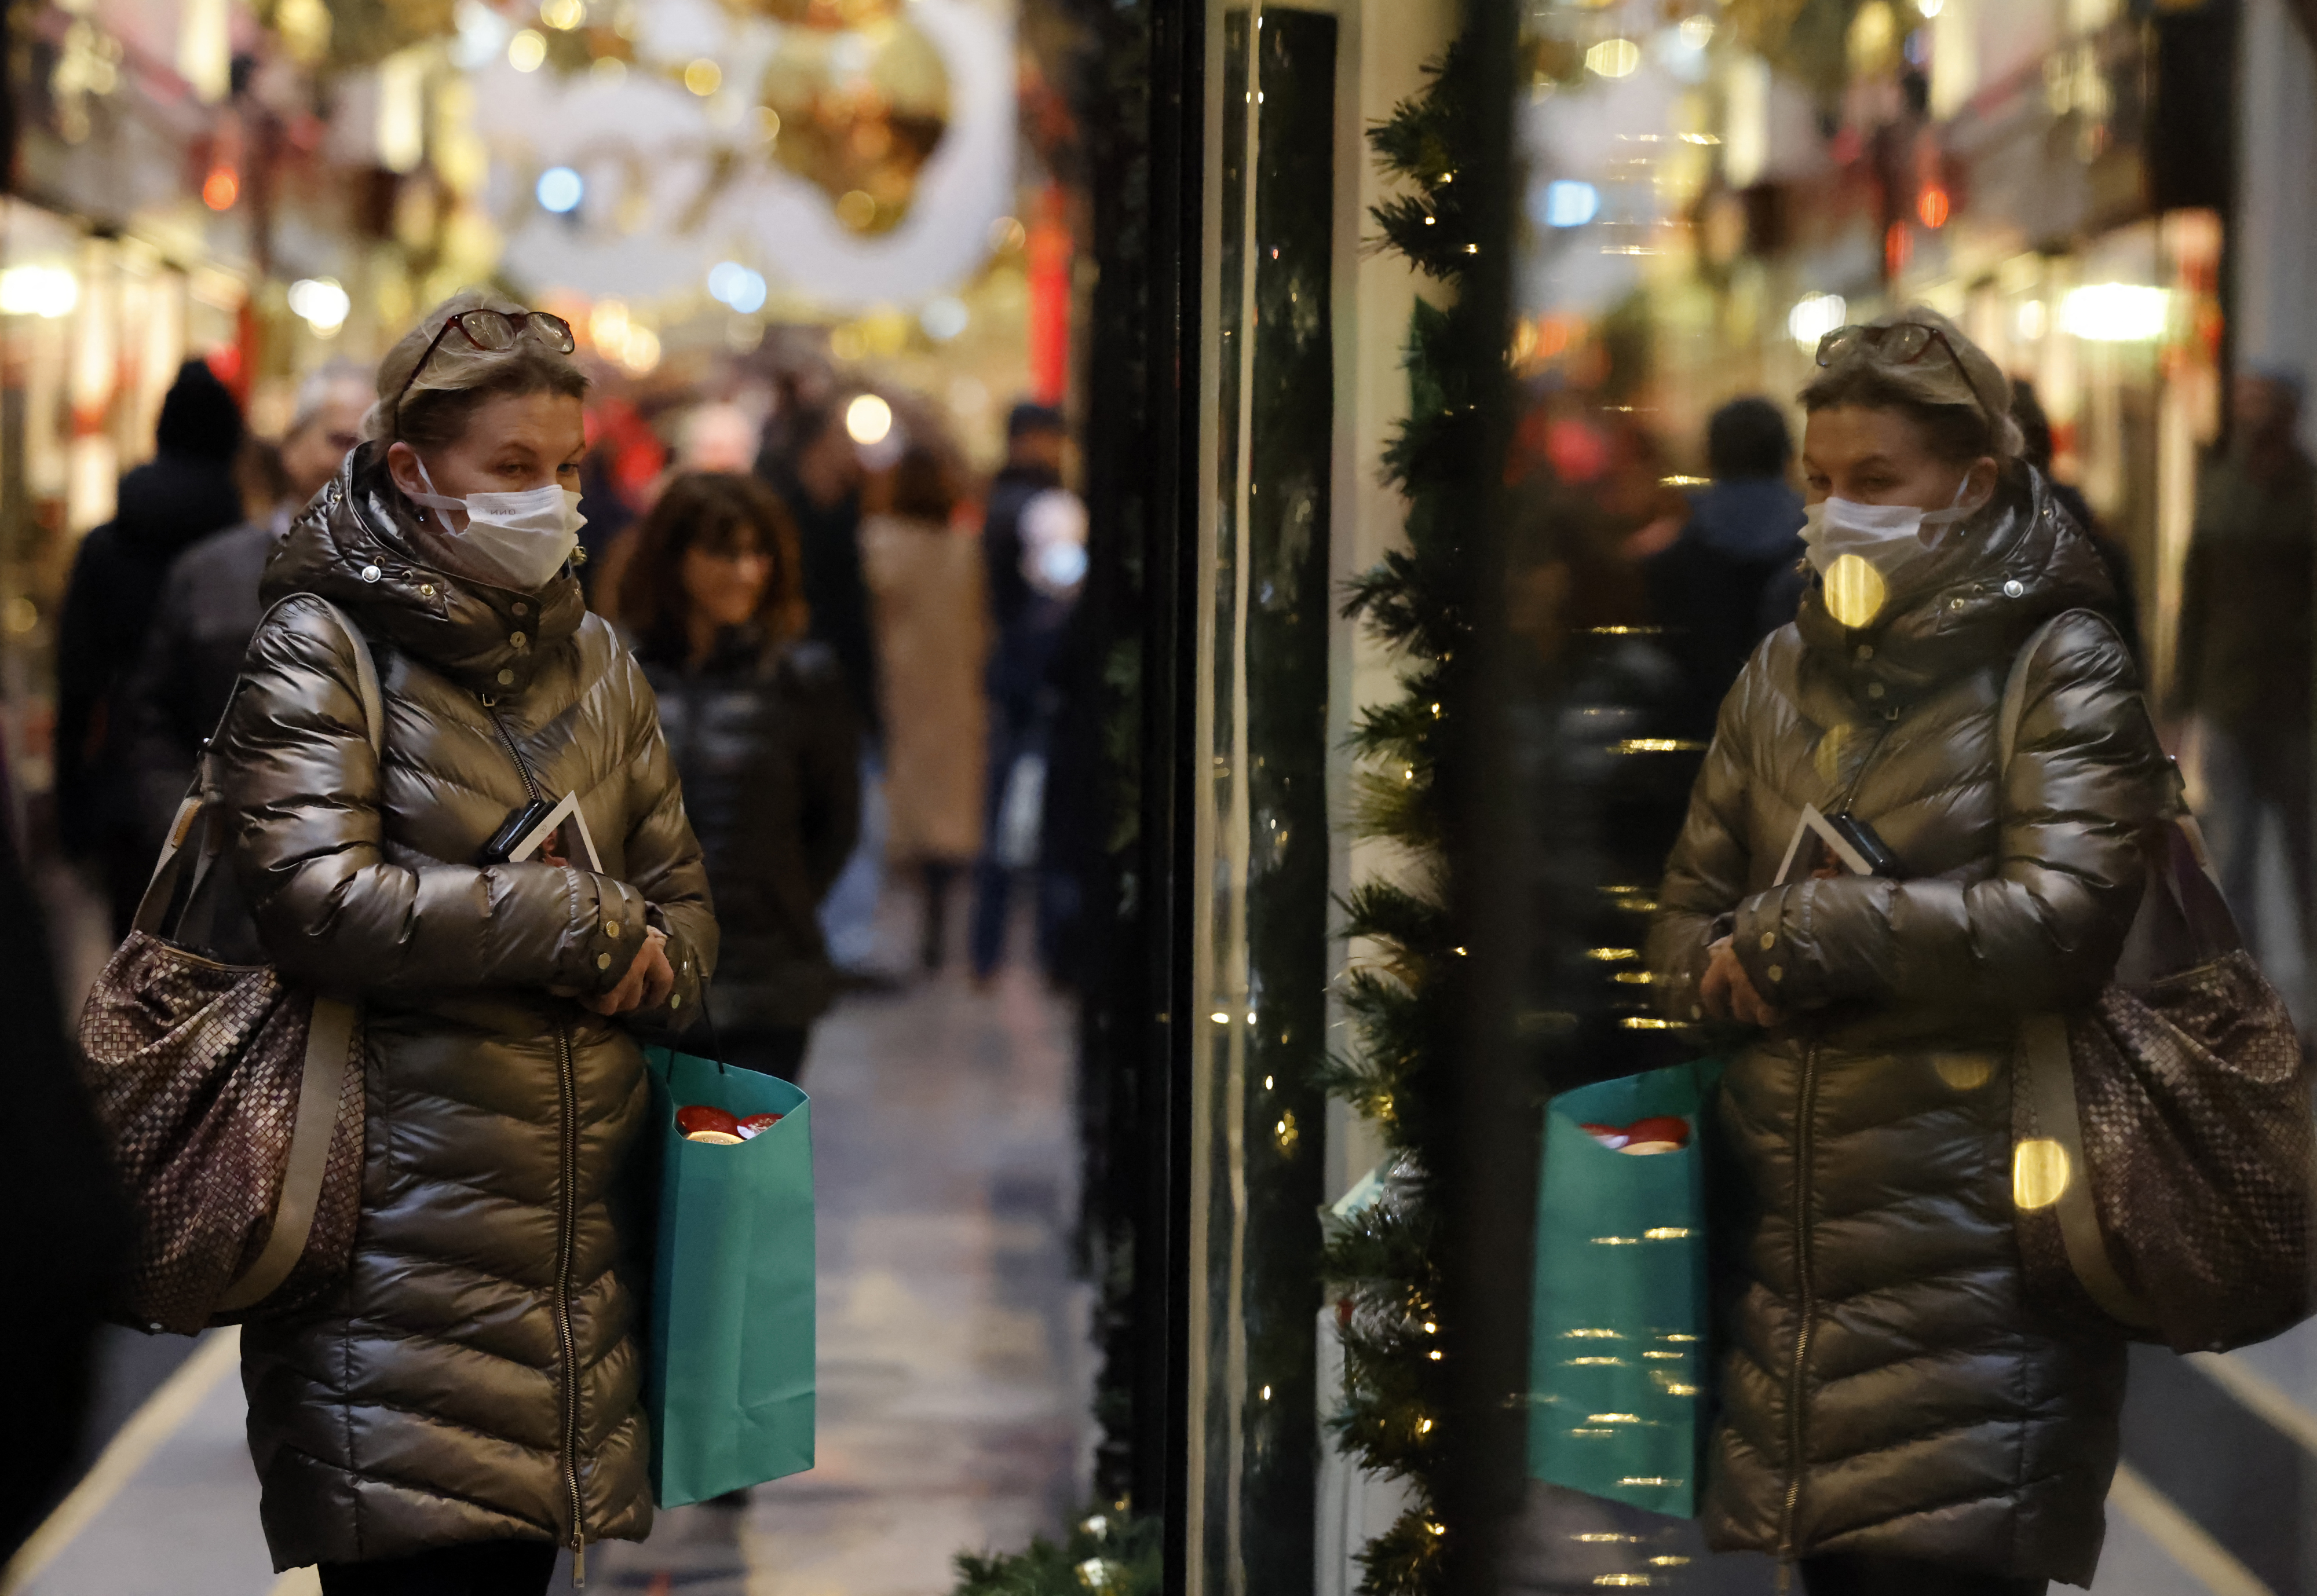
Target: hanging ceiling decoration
pixel 859 106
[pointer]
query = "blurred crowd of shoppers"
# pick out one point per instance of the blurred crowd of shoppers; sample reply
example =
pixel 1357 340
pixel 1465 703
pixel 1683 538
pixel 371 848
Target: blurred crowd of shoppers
pixel 787 598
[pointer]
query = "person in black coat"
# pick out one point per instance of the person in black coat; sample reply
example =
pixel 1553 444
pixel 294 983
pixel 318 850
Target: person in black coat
pixel 208 608
pixel 1028 625
pixel 184 494
pixel 762 726
pixel 68 1227
pixel 1744 531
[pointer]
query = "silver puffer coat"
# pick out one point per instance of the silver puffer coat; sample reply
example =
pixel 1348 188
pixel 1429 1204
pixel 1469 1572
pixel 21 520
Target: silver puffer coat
pixel 1886 1389
pixel 476 1375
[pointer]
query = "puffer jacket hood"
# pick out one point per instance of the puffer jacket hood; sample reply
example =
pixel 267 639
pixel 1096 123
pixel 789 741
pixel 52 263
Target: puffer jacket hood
pixel 2013 566
pixel 475 1375
pixel 355 547
pixel 1887 1388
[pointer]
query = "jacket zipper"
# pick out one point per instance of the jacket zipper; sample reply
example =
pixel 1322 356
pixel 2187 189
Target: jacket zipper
pixel 1805 1117
pixel 566 1082
pixel 566 1245
pixel 1806 1112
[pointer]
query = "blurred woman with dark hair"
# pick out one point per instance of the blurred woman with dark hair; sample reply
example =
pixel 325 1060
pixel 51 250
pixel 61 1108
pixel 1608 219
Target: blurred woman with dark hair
pixel 933 640
pixel 764 739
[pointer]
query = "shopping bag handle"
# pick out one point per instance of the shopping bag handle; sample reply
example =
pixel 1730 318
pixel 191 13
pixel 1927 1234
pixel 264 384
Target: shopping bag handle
pixel 715 1038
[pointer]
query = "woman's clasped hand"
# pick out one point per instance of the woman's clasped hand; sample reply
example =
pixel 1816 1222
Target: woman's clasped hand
pixel 646 985
pixel 1727 992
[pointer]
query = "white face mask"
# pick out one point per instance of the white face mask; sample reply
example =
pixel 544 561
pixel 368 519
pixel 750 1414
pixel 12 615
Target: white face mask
pixel 1863 549
pixel 516 541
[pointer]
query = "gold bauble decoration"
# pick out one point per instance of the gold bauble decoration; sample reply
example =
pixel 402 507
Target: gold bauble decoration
pixel 857 110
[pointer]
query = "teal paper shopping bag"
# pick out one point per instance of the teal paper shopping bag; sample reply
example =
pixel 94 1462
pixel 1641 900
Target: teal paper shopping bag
pixel 729 1383
pixel 1618 1356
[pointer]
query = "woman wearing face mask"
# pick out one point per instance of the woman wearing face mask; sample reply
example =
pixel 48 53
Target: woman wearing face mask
pixel 465 1399
pixel 762 729
pixel 1895 1415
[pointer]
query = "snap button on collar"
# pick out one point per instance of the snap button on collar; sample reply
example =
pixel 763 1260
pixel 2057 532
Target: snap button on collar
pixel 371 572
pixel 2015 588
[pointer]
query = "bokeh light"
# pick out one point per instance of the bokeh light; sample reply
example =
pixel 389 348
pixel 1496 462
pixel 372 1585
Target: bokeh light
pixel 868 419
pixel 560 189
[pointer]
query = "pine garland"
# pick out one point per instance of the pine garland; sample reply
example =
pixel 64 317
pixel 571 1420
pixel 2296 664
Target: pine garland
pixel 1383 1261
pixel 1105 1554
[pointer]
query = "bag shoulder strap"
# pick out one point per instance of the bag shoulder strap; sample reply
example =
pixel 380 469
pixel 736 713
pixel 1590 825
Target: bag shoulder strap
pixel 330 1038
pixel 2015 688
pixel 2048 1068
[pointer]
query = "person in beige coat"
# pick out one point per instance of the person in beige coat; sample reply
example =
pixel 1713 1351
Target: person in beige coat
pixel 933 636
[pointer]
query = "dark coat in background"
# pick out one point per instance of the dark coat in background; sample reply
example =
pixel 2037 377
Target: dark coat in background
pixel 2246 630
pixel 1706 587
pixel 835 591
pixel 200 629
pixel 181 495
pixel 1027 626
pixel 476 1374
pixel 1887 1390
pixel 768 749
pixel 68 1229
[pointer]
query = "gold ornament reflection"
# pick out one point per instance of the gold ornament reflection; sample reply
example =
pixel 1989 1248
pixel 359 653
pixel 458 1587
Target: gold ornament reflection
pixel 2039 1172
pixel 860 99
pixel 1855 590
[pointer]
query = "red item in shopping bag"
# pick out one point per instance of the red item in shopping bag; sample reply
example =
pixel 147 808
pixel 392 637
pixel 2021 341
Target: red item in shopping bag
pixel 1661 1133
pixel 1608 1135
pixel 755 1125
pixel 700 1123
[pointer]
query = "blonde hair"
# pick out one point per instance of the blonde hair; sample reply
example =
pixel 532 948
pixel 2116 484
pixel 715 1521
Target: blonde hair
pixel 436 413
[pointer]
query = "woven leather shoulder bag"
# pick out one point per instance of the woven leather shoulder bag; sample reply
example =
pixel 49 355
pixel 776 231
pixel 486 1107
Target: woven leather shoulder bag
pixel 2164 1158
pixel 232 1099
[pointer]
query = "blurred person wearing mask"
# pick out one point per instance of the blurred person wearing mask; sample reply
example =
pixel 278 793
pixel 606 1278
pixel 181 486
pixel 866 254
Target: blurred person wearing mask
pixel 933 642
pixel 1033 550
pixel 188 491
pixel 1896 1415
pixel 2242 680
pixel 466 1397
pixel 209 604
pixel 1744 531
pixel 819 475
pixel 764 739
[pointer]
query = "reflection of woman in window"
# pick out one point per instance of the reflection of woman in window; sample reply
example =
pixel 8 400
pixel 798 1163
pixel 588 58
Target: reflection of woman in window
pixel 1895 1415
